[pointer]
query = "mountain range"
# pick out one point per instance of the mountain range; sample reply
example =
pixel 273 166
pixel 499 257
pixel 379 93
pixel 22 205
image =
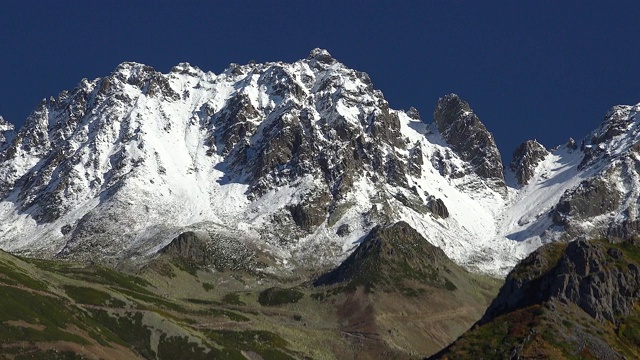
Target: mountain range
pixel 297 161
pixel 300 180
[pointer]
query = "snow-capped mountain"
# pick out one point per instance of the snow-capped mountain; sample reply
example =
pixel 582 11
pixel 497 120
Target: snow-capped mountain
pixel 297 161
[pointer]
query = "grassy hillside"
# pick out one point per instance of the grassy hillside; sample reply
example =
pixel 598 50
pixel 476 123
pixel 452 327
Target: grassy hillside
pixel 176 309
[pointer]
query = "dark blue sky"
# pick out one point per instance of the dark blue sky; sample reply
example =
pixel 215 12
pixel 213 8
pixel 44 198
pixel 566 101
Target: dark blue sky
pixel 530 69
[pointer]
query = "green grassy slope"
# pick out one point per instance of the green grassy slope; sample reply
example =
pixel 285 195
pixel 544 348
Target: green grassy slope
pixel 176 309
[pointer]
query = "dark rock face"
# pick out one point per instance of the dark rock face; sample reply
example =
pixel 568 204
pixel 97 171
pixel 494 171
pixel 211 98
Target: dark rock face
pixel 469 138
pixel 525 159
pixel 318 55
pixel 416 161
pixel 413 113
pixel 591 198
pixel 343 230
pixel 310 213
pixel 437 207
pixel 626 229
pixel 571 144
pixel 234 122
pixel 441 162
pixel 221 252
pixel 616 122
pixel 188 247
pixel 144 77
pixel 596 277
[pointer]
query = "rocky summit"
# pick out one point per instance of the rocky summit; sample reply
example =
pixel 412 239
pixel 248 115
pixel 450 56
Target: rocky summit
pixel 526 158
pixel 469 139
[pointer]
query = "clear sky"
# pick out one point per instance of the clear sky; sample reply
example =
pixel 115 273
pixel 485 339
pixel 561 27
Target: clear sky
pixel 530 69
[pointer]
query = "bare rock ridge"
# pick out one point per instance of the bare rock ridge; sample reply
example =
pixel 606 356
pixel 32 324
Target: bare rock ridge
pixel 6 130
pixel 469 138
pixel 597 278
pixel 611 152
pixel 619 120
pixel 564 301
pixel 525 159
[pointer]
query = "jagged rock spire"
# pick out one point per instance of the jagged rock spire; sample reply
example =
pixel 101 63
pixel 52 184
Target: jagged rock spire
pixel 5 127
pixel 469 138
pixel 525 159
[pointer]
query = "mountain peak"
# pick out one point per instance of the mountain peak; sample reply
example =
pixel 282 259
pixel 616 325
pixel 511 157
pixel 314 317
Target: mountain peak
pixel 186 68
pixel 306 158
pixel 318 52
pixel 470 139
pixel 525 159
pixel 390 250
pixel 453 102
pixel 6 128
pixel 322 56
pixel 129 66
pixel 5 125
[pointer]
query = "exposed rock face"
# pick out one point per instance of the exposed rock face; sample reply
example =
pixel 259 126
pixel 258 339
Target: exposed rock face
pixel 571 144
pixel 220 253
pixel 596 277
pixel 413 113
pixel 564 301
pixel 627 229
pixel 311 212
pixel 469 138
pixel 617 121
pixel 590 199
pixel 437 207
pixel 188 247
pixel 525 159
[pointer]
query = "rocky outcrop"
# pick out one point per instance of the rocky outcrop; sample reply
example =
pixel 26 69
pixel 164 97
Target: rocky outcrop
pixel 470 139
pixel 188 246
pixel 596 276
pixel 591 198
pixel 525 159
pixel 311 212
pixel 6 129
pixel 199 251
pixel 436 206
pixel 617 121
